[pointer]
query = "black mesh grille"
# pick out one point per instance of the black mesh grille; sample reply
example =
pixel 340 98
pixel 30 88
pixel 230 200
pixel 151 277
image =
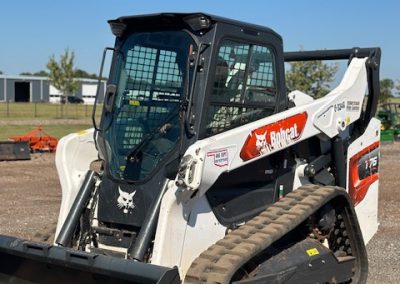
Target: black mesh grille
pixel 152 92
pixel 244 86
pixel 145 121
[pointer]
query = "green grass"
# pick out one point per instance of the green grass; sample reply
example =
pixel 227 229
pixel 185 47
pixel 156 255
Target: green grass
pixel 56 130
pixel 394 100
pixel 57 120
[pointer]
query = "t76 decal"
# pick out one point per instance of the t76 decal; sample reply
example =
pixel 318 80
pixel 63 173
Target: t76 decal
pixel 273 136
pixel 363 171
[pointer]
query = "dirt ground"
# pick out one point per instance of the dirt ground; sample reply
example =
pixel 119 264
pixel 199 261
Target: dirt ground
pixel 30 195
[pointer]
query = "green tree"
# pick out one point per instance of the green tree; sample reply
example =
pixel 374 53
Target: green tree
pixel 25 74
pixel 311 77
pixel 1 72
pixel 62 73
pixel 387 86
pixel 79 73
pixel 398 88
pixel 41 73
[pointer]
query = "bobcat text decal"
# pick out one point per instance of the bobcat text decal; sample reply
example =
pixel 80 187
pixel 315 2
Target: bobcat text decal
pixel 273 136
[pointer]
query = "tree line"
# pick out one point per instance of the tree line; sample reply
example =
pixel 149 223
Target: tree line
pixel 79 73
pixel 311 77
pixel 314 78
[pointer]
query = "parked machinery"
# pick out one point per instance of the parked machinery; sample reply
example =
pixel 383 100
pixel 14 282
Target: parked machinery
pixel 203 169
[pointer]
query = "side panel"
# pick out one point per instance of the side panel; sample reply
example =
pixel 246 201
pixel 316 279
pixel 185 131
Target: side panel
pixel 184 231
pixel 171 227
pixel 89 93
pixel 363 178
pixel 202 230
pixel 74 154
pixel 2 89
pixel 36 91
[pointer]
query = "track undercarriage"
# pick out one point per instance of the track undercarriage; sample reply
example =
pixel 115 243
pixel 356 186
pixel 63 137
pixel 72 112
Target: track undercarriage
pixel 252 253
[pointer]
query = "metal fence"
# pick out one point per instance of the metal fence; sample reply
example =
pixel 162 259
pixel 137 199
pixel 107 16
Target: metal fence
pixel 14 110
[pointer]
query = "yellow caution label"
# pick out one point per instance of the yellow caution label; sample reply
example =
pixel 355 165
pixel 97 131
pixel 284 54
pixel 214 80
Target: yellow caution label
pixel 134 103
pixel 312 252
pixel 82 132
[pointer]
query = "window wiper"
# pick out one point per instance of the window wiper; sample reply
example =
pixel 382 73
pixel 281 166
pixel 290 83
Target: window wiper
pixel 157 133
pixel 133 154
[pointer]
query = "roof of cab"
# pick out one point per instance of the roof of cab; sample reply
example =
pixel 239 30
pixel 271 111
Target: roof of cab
pixel 171 20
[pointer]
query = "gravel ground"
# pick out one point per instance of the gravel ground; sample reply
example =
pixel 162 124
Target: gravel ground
pixel 30 193
pixel 384 248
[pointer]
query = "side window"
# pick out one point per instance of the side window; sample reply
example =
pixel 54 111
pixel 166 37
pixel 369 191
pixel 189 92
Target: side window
pixel 244 88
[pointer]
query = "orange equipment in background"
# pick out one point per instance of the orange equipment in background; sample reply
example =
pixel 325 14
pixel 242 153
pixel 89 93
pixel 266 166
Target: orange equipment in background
pixel 38 140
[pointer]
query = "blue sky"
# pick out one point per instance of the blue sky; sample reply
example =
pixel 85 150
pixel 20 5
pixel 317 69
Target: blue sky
pixel 31 31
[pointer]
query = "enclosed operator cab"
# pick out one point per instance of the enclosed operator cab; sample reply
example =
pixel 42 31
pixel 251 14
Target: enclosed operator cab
pixel 175 79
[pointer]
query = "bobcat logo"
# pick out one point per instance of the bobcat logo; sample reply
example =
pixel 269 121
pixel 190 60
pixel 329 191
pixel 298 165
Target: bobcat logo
pixel 261 143
pixel 125 201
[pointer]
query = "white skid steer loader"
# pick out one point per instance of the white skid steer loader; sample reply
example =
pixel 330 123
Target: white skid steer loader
pixel 205 169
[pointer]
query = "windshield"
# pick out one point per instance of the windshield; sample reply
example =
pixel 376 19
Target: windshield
pixel 144 125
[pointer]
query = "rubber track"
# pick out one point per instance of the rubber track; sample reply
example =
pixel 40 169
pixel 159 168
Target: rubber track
pixel 219 262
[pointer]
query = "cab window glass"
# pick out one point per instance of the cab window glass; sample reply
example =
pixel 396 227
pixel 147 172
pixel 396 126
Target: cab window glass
pixel 244 87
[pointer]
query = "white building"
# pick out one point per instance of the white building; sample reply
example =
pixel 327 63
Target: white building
pixel 39 89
